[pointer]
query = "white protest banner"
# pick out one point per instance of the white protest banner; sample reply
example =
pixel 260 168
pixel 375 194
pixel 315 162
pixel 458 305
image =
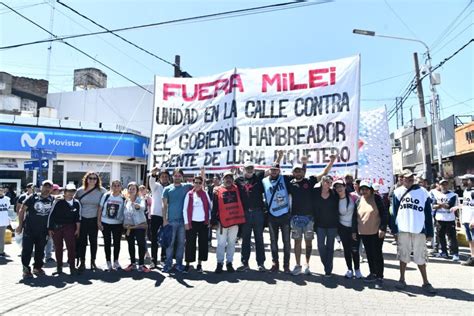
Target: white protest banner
pixel 250 114
pixel 375 152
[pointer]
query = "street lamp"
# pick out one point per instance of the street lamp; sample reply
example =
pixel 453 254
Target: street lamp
pixel 432 89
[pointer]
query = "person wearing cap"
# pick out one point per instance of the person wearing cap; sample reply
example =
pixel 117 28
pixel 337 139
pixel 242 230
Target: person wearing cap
pixel 444 202
pixel 303 211
pixel 64 226
pixel 196 212
pixel 4 219
pixel 369 223
pixel 349 182
pixel 251 192
pixel 32 221
pixel 21 199
pixel 278 206
pixel 346 211
pixel 467 215
pixel 173 203
pixel 158 180
pixel 226 216
pixel 412 222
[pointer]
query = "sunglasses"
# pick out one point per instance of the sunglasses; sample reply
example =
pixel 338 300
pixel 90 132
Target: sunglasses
pixel 92 178
pixel 197 182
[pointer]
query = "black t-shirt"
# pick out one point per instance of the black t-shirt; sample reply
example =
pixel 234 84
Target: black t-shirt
pixel 22 198
pixel 64 213
pixel 251 190
pixel 326 211
pixel 302 196
pixel 37 212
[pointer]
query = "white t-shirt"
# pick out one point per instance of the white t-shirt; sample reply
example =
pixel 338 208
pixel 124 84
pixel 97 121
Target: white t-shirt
pixel 156 194
pixel 198 208
pixel 467 213
pixel 4 207
pixel 112 208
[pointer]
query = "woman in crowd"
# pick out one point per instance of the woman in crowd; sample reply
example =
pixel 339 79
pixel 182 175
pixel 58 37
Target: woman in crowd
pixel 64 226
pixel 110 222
pixel 326 211
pixel 346 212
pixel 136 225
pixel 89 195
pixel 196 213
pixel 144 195
pixel 370 223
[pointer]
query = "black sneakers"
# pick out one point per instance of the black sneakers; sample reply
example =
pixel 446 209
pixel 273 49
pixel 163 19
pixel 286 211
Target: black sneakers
pixel 219 268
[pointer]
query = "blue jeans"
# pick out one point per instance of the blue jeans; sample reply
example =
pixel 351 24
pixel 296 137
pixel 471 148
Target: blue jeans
pixel 254 221
pixel 326 238
pixel 178 239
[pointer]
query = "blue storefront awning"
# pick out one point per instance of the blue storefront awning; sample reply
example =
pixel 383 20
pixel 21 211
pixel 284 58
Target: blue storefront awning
pixel 65 141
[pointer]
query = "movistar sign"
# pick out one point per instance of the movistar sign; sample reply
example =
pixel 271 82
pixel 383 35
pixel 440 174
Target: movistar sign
pixel 23 138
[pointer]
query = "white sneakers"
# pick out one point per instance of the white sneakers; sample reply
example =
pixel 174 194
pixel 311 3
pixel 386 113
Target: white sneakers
pixel 109 266
pixel 358 274
pixel 455 258
pixel 297 270
pixel 117 265
pixel 307 271
pixel 349 274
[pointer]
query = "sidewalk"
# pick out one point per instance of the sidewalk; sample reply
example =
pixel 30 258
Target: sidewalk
pixel 249 292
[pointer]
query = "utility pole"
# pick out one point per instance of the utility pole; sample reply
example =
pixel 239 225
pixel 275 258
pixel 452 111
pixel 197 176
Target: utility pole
pixel 424 132
pixel 177 66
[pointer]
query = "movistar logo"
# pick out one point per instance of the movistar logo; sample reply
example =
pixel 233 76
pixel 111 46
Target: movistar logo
pixel 32 142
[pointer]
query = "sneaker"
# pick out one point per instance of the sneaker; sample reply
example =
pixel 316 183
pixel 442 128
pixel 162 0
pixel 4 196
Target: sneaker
pixel 180 268
pixel 117 265
pixel 243 267
pixel 82 266
pixel 469 262
pixel 152 266
pixel 296 270
pixel 370 278
pixel 144 269
pixel 219 268
pixel 49 260
pixel 109 266
pixel 73 271
pixel 358 274
pixel 229 267
pixel 130 267
pixel 261 268
pixel 275 267
pixel 327 275
pixel 38 271
pixel 379 284
pixel 455 258
pixel 307 271
pixel 59 271
pixel 199 268
pixel 286 270
pixel 3 255
pixel 428 288
pixel 187 268
pixel 401 285
pixel 166 268
pixel 349 274
pixel 27 273
pixel 443 255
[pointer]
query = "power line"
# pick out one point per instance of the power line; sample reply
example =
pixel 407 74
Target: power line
pixel 226 14
pixel 24 7
pixel 446 31
pixel 77 49
pixel 400 19
pixel 116 35
pixel 385 79
pixel 457 35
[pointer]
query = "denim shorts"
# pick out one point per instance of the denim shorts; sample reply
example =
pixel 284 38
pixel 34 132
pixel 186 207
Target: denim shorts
pixel 297 232
pixel 469 232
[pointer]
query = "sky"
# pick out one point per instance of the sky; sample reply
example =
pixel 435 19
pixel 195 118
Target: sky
pixel 305 34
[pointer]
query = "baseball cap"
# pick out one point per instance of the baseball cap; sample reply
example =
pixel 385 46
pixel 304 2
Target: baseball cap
pixel 407 173
pixel 340 181
pixel 248 163
pixel 275 166
pixel 467 176
pixel 30 185
pixel 366 184
pixel 49 182
pixel 297 166
pixel 443 181
pixel 376 186
pixel 56 187
pixel 228 173
pixel 70 187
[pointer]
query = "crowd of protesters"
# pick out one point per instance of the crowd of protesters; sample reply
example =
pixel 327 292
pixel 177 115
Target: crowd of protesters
pixel 180 217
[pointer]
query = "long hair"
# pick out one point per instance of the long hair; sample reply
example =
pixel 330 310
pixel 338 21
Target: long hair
pixel 132 184
pixel 98 183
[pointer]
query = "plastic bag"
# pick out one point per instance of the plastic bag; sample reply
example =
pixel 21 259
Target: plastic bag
pixel 19 238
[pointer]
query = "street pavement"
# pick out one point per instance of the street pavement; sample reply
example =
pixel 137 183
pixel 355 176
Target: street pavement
pixel 249 293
